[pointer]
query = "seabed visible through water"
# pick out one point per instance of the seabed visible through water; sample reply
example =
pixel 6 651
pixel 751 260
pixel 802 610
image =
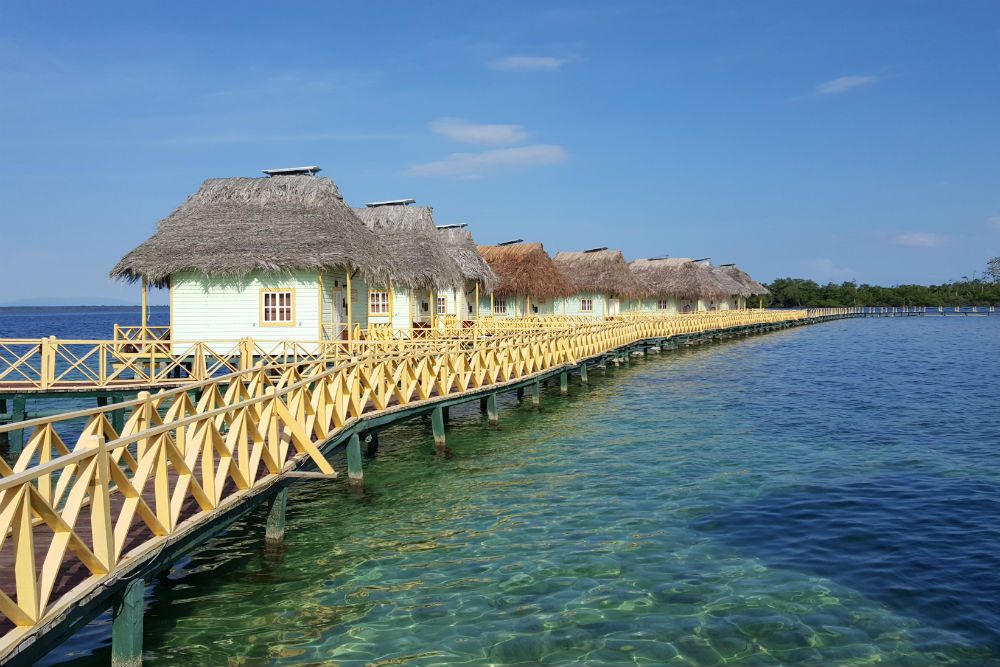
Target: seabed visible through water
pixel 817 496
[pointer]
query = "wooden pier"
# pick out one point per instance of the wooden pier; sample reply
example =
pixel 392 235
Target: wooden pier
pixel 87 520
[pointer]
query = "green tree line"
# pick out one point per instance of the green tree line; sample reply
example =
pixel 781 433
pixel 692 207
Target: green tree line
pixel 799 292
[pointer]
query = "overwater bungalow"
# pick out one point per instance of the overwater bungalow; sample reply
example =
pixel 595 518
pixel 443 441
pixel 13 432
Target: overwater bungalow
pixel 279 257
pixel 736 292
pixel 603 283
pixel 530 281
pixel 753 288
pixel 679 285
pixel 479 279
pixel 427 280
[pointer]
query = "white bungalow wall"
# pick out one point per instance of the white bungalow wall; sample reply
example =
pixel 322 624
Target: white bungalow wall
pixel 227 309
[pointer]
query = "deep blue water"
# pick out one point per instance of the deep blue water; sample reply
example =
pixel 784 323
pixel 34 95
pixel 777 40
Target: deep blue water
pixel 827 495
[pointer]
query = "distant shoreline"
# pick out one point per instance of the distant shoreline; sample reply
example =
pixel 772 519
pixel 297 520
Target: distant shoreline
pixel 77 309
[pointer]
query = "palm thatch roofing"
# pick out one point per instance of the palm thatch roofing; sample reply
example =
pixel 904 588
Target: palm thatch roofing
pixel 462 248
pixel 601 271
pixel 408 234
pixel 525 269
pixel 733 286
pixel 233 226
pixel 679 277
pixel 753 287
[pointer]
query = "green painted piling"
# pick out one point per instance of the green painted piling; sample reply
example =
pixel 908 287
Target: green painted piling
pixel 274 527
pixel 564 383
pixel 583 374
pixel 18 414
pixel 126 626
pixel 437 425
pixel 536 393
pixel 372 440
pixel 491 410
pixel 355 474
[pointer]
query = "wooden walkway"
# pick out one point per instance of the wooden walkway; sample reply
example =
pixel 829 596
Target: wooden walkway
pixel 80 522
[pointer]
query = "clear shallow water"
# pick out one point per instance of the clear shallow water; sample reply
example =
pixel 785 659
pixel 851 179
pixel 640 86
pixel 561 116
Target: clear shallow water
pixel 820 496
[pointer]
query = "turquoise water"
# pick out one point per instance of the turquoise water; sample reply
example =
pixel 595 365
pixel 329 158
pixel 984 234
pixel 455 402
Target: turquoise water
pixel 819 496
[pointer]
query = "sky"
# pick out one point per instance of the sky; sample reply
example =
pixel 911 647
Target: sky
pixel 826 140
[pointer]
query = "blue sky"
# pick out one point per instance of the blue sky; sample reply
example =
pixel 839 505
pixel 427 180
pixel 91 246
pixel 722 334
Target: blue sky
pixel 830 140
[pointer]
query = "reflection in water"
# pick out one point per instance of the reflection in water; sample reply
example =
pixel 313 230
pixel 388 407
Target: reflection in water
pixel 821 496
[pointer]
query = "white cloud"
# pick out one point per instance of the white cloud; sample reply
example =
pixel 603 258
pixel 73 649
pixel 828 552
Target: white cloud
pixel 844 84
pixel 465 132
pixel 474 165
pixel 529 63
pixel 919 240
pixel 824 270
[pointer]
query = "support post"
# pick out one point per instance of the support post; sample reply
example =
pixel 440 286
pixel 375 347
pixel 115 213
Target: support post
pixel 274 529
pixel 145 308
pixel 536 393
pixel 118 416
pixel 126 626
pixel 372 441
pixel 491 410
pixel 437 425
pixel 355 475
pixel 18 414
pixel 350 315
pixel 583 374
pixel 564 383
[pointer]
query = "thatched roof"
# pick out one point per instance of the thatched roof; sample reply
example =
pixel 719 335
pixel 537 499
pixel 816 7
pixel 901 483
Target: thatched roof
pixel 601 271
pixel 525 269
pixel 753 287
pixel 409 236
pixel 679 277
pixel 233 226
pixel 733 286
pixel 462 248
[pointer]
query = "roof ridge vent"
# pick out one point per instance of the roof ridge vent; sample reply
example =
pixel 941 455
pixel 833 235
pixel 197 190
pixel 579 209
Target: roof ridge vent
pixel 292 171
pixel 391 202
pixel 456 225
pixel 511 242
pixel 654 259
pixel 602 249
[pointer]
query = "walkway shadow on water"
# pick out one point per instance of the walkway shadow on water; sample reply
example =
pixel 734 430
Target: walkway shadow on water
pixel 926 547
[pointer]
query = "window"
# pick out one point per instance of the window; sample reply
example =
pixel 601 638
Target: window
pixel 442 305
pixel 662 304
pixel 277 307
pixel 378 303
pixel 587 305
pixel 499 307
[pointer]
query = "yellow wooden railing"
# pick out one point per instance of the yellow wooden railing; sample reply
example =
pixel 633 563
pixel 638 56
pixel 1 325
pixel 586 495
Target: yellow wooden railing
pixel 98 499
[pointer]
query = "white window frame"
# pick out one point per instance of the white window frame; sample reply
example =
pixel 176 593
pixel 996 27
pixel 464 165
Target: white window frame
pixel 663 304
pixel 500 307
pixel 586 305
pixel 378 302
pixel 277 307
pixel 441 305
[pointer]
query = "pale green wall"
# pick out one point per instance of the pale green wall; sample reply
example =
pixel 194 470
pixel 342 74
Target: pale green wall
pixel 574 305
pixel 206 309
